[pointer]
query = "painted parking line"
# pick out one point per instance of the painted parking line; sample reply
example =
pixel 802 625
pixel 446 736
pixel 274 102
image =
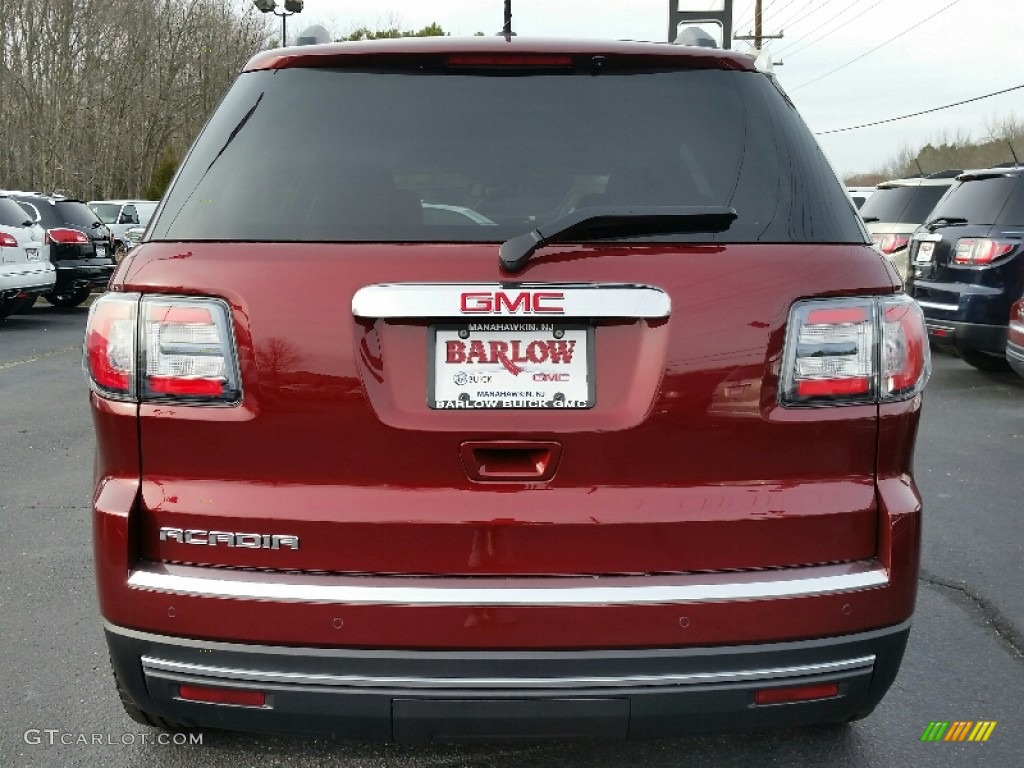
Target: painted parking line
pixel 42 356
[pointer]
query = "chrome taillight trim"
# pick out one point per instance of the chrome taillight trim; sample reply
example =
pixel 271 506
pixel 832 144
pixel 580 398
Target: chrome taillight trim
pixel 554 300
pixel 609 591
pixel 184 670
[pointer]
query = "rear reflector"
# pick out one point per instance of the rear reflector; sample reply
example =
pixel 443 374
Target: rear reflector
pixel 161 348
pixel 233 696
pixel 854 351
pixel 796 693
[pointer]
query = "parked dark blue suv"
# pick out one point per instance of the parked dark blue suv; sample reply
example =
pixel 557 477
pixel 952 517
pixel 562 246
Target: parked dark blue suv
pixel 967 264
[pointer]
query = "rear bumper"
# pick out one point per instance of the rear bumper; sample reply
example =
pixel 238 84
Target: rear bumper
pixel 409 696
pixel 1015 356
pixel 73 278
pixel 985 338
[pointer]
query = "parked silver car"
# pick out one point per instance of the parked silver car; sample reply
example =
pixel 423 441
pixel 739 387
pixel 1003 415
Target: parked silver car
pixel 122 215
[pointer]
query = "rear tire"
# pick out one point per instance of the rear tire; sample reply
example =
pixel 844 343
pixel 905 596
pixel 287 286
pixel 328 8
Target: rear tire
pixel 983 361
pixel 68 299
pixel 145 718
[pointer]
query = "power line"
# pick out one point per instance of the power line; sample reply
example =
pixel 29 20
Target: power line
pixel 882 45
pixel 767 8
pixel 922 112
pixel 847 9
pixel 803 13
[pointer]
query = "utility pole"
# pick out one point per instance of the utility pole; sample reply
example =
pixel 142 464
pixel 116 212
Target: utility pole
pixel 758 35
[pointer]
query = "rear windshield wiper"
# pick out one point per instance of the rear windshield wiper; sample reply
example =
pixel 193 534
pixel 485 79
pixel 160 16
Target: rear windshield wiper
pixel 869 219
pixel 945 221
pixel 598 223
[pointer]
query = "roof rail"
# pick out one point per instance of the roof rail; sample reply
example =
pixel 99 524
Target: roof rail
pixel 949 173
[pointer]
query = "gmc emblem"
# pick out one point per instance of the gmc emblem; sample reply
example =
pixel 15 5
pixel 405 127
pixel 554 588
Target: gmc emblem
pixel 524 302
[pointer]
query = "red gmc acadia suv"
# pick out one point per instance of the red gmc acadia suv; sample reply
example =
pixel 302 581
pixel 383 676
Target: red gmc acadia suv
pixel 617 445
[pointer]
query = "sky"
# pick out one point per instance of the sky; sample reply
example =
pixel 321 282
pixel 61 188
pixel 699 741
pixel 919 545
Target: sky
pixel 968 48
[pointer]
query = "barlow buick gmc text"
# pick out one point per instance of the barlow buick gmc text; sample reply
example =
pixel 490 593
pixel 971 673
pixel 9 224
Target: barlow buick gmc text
pixel 617 445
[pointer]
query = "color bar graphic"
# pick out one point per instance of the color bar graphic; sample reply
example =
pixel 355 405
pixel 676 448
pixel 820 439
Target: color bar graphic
pixel 959 730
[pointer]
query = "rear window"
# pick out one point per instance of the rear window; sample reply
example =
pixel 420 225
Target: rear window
pixel 907 205
pixel 12 214
pixel 343 155
pixel 64 213
pixel 75 213
pixel 107 212
pixel 981 201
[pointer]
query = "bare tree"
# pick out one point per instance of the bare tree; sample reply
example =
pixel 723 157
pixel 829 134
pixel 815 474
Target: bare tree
pixel 97 93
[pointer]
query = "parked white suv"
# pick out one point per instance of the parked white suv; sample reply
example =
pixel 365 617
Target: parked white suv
pixel 25 268
pixel 122 215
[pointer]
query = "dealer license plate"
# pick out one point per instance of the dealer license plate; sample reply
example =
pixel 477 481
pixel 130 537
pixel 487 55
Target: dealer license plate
pixel 513 365
pixel 925 251
pixel 31 254
pixel 101 251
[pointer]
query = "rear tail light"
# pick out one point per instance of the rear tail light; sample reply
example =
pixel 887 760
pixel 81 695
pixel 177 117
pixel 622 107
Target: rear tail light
pixel 855 351
pixel 510 60
pixel 888 244
pixel 981 250
pixel 7 241
pixel 159 349
pixel 110 345
pixel 63 236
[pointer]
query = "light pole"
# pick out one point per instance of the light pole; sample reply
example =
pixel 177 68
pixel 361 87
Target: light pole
pixel 290 7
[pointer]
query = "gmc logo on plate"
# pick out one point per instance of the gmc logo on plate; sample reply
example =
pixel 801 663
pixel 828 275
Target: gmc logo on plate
pixel 524 302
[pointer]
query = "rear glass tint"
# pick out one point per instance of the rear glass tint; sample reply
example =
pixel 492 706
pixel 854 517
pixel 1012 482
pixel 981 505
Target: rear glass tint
pixel 12 214
pixel 342 155
pixel 76 214
pixel 906 205
pixel 979 201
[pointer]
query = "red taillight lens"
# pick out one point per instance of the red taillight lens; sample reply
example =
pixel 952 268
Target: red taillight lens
pixel 890 243
pixel 63 236
pixel 110 344
pixel 185 350
pixel 233 696
pixel 1016 330
pixel 188 351
pixel 796 693
pixel 854 351
pixel 906 356
pixel 831 353
pixel 7 241
pixel 981 250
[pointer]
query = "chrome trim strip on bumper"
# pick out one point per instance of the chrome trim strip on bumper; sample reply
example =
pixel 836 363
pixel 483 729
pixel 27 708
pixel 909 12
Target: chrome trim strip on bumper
pixel 572 591
pixel 937 305
pixel 486 302
pixel 151 665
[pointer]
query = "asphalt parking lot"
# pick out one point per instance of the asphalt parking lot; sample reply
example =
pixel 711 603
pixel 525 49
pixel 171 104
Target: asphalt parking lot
pixel 964 662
